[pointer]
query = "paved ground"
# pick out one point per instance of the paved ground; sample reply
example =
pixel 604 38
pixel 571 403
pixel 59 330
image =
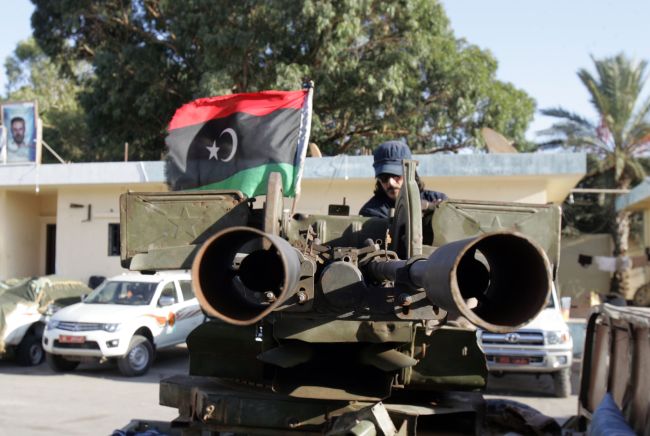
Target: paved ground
pixel 92 400
pixel 96 399
pixel 537 393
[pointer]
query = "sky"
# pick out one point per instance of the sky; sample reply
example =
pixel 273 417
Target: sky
pixel 539 44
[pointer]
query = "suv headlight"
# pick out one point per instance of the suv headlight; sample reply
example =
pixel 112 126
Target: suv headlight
pixel 557 337
pixel 110 327
pixel 52 309
pixel 52 324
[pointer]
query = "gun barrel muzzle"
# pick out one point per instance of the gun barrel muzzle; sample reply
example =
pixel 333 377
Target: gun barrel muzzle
pixel 498 281
pixel 241 274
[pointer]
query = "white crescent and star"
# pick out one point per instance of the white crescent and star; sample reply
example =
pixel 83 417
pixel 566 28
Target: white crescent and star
pixel 214 150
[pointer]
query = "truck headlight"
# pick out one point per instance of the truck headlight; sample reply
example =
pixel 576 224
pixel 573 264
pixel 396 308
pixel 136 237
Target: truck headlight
pixel 110 327
pixel 52 325
pixel 557 337
pixel 52 309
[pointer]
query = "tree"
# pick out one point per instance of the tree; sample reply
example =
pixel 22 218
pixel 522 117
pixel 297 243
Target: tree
pixel 32 76
pixel 382 69
pixel 618 138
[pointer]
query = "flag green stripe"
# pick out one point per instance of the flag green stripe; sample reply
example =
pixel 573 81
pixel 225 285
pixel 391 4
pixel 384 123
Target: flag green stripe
pixel 253 181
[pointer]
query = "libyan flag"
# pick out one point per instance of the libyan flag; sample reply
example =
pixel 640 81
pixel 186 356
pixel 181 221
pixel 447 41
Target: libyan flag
pixel 236 141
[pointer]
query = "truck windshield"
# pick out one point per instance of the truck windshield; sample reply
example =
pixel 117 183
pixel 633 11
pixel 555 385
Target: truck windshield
pixel 127 293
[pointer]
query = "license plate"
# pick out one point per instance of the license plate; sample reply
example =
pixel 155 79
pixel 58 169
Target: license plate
pixel 67 339
pixel 513 360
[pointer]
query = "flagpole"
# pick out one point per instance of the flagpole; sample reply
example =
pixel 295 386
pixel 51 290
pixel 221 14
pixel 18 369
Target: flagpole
pixel 305 128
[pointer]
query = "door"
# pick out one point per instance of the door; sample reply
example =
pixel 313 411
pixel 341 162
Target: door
pixel 50 249
pixel 169 334
pixel 189 315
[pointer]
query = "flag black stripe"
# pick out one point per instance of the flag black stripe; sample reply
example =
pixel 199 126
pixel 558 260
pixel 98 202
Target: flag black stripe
pixel 271 138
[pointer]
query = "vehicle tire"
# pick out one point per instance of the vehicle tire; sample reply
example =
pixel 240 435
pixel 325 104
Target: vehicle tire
pixel 30 351
pixel 59 363
pixel 562 383
pixel 138 359
pixel 642 296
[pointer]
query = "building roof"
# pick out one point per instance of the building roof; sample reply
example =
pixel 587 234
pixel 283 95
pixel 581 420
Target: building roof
pixel 342 166
pixel 456 165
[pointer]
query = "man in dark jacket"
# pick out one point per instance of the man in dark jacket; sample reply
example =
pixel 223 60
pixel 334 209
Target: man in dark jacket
pixel 388 171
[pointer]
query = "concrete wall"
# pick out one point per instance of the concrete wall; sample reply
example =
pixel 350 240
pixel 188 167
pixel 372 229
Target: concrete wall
pixel 20 235
pixel 4 227
pixel 82 244
pixel 317 194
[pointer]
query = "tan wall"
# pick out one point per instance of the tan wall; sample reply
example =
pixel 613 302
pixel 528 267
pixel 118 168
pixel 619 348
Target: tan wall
pixel 4 271
pixel 82 245
pixel 20 235
pixel 318 194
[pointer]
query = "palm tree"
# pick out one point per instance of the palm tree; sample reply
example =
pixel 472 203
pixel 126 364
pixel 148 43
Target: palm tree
pixel 620 135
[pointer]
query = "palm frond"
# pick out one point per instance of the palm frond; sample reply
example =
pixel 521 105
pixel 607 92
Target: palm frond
pixel 636 170
pixel 635 129
pixel 638 138
pixel 559 112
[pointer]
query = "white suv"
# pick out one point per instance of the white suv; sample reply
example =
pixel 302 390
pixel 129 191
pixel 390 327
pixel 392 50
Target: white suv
pixel 126 318
pixel 544 346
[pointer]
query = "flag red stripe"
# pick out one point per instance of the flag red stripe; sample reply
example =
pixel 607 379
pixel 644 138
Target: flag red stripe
pixel 258 103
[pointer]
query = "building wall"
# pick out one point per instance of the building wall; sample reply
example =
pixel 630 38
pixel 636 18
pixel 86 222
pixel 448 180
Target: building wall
pixel 19 246
pixel 4 227
pixel 82 244
pixel 317 194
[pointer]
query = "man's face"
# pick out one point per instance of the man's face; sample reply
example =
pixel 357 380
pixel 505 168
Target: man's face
pixel 18 131
pixel 391 184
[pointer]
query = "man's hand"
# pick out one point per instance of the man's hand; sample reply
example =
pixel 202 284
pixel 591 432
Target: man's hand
pixel 430 205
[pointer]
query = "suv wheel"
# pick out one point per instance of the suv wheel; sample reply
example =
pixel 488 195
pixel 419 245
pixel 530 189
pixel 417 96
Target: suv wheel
pixel 30 351
pixel 59 363
pixel 562 383
pixel 138 359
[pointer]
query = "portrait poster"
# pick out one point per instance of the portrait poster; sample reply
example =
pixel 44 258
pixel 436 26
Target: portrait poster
pixel 20 122
pixel 3 144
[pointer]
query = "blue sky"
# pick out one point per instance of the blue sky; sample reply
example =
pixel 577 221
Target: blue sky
pixel 539 45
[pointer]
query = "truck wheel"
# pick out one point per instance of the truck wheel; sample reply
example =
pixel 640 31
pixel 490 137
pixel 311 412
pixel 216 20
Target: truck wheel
pixel 59 363
pixel 30 351
pixel 562 383
pixel 138 359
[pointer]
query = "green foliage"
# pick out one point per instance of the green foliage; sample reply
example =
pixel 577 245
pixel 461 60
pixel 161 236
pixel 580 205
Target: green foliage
pixel 32 76
pixel 591 213
pixel 616 142
pixel 382 69
pixel 622 132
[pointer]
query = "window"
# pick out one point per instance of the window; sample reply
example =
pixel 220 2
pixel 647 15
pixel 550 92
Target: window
pixel 170 291
pixel 186 289
pixel 113 239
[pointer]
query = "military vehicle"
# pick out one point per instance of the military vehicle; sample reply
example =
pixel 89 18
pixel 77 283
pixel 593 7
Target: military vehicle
pixel 337 324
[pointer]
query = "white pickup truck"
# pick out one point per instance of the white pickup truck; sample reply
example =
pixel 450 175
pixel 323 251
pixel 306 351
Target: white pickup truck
pixel 126 318
pixel 24 306
pixel 544 346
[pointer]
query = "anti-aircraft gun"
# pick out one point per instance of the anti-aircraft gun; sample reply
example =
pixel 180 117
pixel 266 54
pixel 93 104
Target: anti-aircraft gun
pixel 341 324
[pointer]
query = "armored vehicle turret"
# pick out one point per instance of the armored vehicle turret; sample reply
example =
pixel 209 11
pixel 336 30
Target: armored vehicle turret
pixel 341 324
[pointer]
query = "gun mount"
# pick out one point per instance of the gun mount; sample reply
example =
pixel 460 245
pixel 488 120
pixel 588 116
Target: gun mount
pixel 338 323
pixel 242 274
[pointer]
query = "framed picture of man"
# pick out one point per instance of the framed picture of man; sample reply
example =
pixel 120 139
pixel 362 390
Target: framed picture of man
pixel 19 120
pixel 3 144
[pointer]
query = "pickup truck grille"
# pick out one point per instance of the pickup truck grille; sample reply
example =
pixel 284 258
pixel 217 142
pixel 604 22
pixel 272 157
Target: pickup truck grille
pixel 79 326
pixel 88 345
pixel 534 338
pixel 529 359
